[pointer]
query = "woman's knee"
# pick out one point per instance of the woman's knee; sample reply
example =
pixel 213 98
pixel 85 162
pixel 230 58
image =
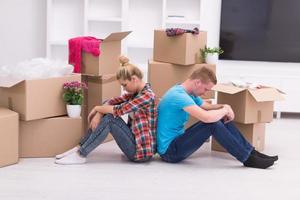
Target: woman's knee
pixel 107 117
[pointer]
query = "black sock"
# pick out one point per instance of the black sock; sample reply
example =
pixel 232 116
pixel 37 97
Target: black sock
pixel 258 162
pixel 254 152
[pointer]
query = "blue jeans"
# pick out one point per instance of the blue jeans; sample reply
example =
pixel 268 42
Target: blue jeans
pixel 192 139
pixel 119 130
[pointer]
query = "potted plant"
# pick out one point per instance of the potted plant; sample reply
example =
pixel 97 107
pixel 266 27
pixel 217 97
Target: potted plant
pixel 211 54
pixel 73 96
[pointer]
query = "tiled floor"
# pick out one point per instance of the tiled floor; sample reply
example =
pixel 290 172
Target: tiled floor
pixel 206 175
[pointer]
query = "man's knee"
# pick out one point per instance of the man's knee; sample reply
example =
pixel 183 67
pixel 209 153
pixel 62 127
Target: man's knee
pixel 216 125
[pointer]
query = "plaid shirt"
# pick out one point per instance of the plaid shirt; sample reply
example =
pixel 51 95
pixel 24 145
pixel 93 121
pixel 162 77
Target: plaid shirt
pixel 143 123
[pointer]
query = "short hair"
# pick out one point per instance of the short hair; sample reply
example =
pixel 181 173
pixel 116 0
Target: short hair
pixel 204 74
pixel 127 70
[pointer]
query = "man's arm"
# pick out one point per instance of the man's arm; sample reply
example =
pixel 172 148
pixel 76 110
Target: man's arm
pixel 208 106
pixel 209 116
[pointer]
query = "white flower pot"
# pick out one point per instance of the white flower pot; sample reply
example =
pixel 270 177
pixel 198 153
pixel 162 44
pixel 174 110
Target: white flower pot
pixel 74 111
pixel 211 58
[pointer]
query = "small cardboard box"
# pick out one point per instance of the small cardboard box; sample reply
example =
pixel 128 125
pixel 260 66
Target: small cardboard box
pixel 249 105
pixel 100 89
pixel 183 49
pixel 254 134
pixel 9 137
pixel 163 76
pixel 49 137
pixel 108 60
pixel 35 99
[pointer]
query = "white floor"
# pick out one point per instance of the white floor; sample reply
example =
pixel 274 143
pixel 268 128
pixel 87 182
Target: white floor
pixel 206 175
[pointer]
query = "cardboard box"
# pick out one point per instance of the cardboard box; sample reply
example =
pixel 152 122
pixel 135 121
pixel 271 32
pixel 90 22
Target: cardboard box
pixel 249 105
pixel 49 137
pixel 9 137
pixel 35 99
pixel 108 60
pixel 100 89
pixel 254 134
pixel 163 76
pixel 183 49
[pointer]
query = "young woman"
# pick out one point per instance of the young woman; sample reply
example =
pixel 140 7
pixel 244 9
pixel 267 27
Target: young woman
pixel 137 138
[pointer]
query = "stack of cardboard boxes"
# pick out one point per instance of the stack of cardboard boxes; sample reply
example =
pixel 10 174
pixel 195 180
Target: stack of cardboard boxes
pixel 253 108
pixel 41 131
pixel 174 59
pixel 33 121
pixel 99 74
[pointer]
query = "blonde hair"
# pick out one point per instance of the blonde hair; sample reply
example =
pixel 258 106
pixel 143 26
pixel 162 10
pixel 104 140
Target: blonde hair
pixel 204 74
pixel 127 70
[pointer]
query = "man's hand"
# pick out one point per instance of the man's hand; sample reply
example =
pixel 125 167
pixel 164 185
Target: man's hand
pixel 230 115
pixel 95 121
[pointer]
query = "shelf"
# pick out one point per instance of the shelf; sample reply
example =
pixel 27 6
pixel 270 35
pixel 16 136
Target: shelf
pixel 105 8
pixel 143 17
pixel 59 43
pixel 105 19
pixel 183 21
pixel 101 29
pixel 66 19
pixel 190 9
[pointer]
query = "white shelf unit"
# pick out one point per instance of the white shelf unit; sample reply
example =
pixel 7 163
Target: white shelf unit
pixel 189 10
pixel 67 19
pixel 98 18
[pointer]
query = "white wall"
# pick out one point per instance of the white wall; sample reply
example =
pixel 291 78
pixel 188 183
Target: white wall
pixel 23 30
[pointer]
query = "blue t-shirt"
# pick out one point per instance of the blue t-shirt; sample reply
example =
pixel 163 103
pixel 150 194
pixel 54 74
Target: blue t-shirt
pixel 171 116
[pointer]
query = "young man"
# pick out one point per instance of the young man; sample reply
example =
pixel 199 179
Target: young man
pixel 176 144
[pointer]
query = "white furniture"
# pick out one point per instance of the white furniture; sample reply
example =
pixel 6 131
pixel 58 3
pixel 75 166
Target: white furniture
pixel 67 19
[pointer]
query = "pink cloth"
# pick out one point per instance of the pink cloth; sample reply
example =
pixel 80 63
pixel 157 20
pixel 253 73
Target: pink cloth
pixel 87 44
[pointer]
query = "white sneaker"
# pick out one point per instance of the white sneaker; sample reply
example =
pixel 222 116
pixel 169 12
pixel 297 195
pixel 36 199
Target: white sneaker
pixel 71 159
pixel 59 156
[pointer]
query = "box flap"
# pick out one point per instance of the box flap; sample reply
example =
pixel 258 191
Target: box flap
pixel 8 82
pixel 227 88
pixel 116 36
pixel 267 94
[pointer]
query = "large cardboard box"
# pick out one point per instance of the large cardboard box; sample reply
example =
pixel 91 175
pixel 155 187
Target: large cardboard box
pixel 49 137
pixel 100 89
pixel 108 60
pixel 35 99
pixel 9 137
pixel 254 134
pixel 163 76
pixel 183 49
pixel 249 105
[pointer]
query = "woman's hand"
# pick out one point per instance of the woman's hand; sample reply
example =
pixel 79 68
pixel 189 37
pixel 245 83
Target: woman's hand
pixel 92 114
pixel 95 121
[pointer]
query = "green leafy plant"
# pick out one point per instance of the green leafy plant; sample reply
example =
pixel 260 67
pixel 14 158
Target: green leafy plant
pixel 208 50
pixel 73 92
